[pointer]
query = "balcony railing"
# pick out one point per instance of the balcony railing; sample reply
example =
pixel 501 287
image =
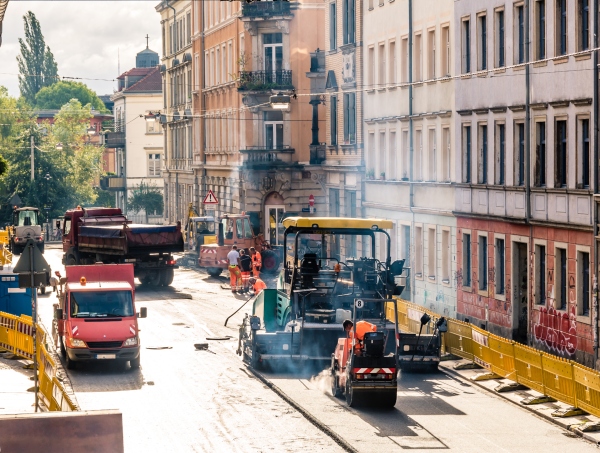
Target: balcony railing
pixel 180 164
pixel 115 139
pixel 112 183
pixel 264 157
pixel 265 80
pixel 266 9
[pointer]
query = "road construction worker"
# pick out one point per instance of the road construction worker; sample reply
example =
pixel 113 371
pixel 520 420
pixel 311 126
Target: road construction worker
pixel 348 326
pixel 246 268
pixel 257 285
pixel 235 276
pixel 256 262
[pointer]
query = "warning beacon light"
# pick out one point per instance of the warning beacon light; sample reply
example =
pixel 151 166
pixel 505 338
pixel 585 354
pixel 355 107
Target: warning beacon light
pixel 83 281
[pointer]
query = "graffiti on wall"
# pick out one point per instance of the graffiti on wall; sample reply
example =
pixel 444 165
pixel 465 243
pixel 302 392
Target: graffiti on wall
pixel 556 330
pixel 458 278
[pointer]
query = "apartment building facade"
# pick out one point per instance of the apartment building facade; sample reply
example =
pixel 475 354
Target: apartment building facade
pixel 525 171
pixel 180 174
pixel 408 127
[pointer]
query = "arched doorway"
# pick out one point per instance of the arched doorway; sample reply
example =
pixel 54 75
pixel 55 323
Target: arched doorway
pixel 274 213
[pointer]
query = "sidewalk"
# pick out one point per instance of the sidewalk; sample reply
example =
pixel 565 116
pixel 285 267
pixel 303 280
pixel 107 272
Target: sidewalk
pixel 543 410
pixel 14 382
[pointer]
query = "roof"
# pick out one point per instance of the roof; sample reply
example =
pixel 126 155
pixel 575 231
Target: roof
pixel 95 286
pixel 136 72
pixel 337 223
pixel 152 82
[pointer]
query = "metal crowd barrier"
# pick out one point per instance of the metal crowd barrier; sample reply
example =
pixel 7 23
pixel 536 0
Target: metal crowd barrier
pixel 565 380
pixel 16 337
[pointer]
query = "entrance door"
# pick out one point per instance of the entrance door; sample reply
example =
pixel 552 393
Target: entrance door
pixel 273 57
pixel 520 292
pixel 273 227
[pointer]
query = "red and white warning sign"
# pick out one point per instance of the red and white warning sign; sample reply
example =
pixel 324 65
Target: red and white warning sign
pixel 311 200
pixel 210 198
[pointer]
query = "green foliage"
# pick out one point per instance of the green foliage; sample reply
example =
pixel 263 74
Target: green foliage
pixel 37 67
pixel 147 198
pixel 104 198
pixel 60 93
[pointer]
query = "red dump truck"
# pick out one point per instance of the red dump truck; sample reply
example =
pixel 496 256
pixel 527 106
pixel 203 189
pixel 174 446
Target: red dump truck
pixel 92 235
pixel 96 317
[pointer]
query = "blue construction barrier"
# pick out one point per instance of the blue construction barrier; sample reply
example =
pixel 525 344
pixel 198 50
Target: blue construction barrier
pixel 14 300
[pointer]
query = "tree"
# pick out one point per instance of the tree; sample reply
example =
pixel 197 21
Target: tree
pixel 59 93
pixel 147 198
pixel 37 67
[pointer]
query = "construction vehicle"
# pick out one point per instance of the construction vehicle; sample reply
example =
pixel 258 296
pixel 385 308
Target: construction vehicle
pixel 91 235
pixel 25 225
pixel 96 318
pixel 235 229
pixel 364 364
pixel 422 351
pixel 302 319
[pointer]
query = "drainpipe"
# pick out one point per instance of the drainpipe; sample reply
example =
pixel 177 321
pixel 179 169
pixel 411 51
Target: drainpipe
pixel 527 166
pixel 595 183
pixel 202 111
pixel 176 205
pixel 410 132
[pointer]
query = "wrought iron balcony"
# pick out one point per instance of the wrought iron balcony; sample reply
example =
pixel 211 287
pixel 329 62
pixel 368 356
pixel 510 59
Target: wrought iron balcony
pixel 265 80
pixel 266 9
pixel 112 183
pixel 115 139
pixel 262 157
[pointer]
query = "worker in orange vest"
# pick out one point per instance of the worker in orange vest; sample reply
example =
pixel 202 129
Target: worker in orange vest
pixel 256 262
pixel 257 285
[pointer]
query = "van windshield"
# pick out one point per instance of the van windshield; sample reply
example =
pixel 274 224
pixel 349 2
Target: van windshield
pixel 104 304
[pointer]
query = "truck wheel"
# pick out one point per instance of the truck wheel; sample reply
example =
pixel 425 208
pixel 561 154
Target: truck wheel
pixel 214 271
pixel 270 262
pixel 351 398
pixel 135 363
pixel 336 391
pixel 155 278
pixel 166 277
pixel 70 363
pixel 17 250
pixel 43 289
pixel 63 350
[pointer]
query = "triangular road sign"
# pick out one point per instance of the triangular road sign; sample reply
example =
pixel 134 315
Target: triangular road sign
pixel 210 198
pixel 23 266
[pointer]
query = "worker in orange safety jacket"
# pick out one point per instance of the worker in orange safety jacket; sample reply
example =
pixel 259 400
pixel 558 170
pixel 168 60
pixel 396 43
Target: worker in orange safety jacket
pixel 256 262
pixel 257 285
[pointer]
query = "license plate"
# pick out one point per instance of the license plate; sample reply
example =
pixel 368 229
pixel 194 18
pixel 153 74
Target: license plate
pixel 106 356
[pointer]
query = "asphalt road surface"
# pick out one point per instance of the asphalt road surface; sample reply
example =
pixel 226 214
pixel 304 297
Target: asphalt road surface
pixel 185 400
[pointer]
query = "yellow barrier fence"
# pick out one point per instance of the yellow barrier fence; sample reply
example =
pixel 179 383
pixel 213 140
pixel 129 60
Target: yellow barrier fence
pixel 553 376
pixel 16 337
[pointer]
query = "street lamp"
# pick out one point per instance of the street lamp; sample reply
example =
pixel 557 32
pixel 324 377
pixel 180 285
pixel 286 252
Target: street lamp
pixel 46 207
pixel 280 101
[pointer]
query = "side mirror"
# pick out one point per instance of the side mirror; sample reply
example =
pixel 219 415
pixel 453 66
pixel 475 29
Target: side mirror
pixel 143 312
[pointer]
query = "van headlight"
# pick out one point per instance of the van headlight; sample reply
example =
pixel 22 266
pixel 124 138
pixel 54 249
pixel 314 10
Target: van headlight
pixel 76 343
pixel 133 341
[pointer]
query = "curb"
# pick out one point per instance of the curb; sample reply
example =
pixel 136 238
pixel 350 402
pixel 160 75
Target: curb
pixel 546 417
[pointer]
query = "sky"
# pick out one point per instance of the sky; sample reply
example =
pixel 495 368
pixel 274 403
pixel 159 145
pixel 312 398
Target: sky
pixel 86 38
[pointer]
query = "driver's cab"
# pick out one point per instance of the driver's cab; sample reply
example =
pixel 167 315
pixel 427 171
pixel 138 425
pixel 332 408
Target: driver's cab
pixel 236 230
pixel 25 217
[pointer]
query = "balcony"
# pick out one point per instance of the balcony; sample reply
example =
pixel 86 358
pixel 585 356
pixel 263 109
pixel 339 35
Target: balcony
pixel 112 183
pixel 115 140
pixel 266 9
pixel 265 80
pixel 180 164
pixel 263 158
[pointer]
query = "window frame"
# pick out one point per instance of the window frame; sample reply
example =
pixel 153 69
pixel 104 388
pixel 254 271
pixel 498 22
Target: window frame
pixel 482 38
pixel 561 292
pixel 483 148
pixel 499 265
pixel 467 153
pixel 482 263
pixel 466 44
pixel 583 288
pixel 467 260
pixel 561 34
pixel 500 153
pixel 500 37
pixel 332 26
pixel 541 156
pixel 561 178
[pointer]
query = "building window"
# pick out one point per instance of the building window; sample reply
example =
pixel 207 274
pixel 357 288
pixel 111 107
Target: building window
pixel 381 164
pixel 418 58
pixel 540 274
pixel 445 51
pixel 500 39
pixel 432 158
pixel 520 33
pixel 418 155
pixel 392 62
pixel 371 69
pixel 561 279
pixel 273 130
pixel 381 65
pixel 583 17
pixel 419 252
pixel 466 154
pixel 350 118
pixel 520 155
pixel 446 154
pixel 404 60
pixel 392 165
pixel 561 27
pixel 332 27
pixel 446 257
pixel 500 153
pixel 584 145
pixel 405 156
pixel 431 54
pixel 540 29
pixel 272 55
pixel 348 21
pixel 372 152
pixel 466 46
pixel 583 283
pixel 483 264
pixel 499 265
pixel 483 155
pixel 482 44
pixel 153 164
pixel 466 260
pixel 431 245
pixel 560 161
pixel 333 119
pixel 540 155
pixel 152 127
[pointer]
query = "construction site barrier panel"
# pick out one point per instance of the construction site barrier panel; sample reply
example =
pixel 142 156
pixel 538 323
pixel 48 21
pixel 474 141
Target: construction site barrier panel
pixel 587 389
pixel 502 358
pixel 529 367
pixel 24 337
pixel 481 349
pixel 8 324
pixel 459 339
pixel 558 378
